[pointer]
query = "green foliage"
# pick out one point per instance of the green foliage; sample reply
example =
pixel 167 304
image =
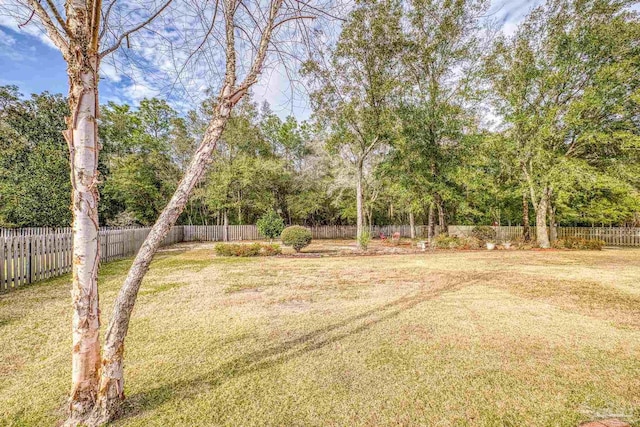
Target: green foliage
pixel 247 250
pixel 270 249
pixel 440 58
pixel 566 83
pixel 579 243
pixel 444 241
pixel 270 225
pixel 364 239
pixel 484 234
pixel 296 236
pixel 139 160
pixel 35 189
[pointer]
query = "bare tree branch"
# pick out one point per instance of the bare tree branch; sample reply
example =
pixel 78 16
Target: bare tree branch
pixel 291 18
pixel 125 34
pixel 262 51
pixel 58 17
pixel 50 27
pixel 323 12
pixel 95 24
pixel 105 19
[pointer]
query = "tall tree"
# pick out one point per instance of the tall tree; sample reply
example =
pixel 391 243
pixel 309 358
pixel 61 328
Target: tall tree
pixel 143 152
pixel 77 31
pixel 354 88
pixel 260 20
pixel 441 62
pixel 566 85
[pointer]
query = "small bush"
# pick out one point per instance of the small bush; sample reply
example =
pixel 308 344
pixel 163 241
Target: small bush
pixel 364 240
pixel 470 243
pixel 484 233
pixel 444 241
pixel 237 249
pixel 270 225
pixel 296 237
pixel 270 250
pixel 579 243
pixel 246 250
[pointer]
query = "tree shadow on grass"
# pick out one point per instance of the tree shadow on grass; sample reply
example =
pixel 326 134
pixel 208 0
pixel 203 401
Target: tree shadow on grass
pixel 281 353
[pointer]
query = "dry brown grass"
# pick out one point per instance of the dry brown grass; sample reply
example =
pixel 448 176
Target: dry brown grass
pixel 438 338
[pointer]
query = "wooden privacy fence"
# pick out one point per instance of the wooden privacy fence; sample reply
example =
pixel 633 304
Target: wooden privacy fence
pixel 612 236
pixel 220 233
pixel 216 233
pixel 28 255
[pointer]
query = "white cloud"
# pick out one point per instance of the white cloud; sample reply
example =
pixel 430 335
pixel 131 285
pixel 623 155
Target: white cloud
pixel 6 40
pixel 33 28
pixel 109 71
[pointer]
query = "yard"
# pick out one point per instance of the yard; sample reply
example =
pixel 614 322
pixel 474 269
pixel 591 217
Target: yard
pixel 476 338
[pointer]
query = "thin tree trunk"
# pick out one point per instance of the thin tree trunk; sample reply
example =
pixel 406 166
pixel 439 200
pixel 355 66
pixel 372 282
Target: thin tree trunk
pixel 225 223
pixel 553 231
pixel 541 220
pixel 359 203
pixel 442 218
pixel 431 233
pixel 412 225
pixel 526 230
pixel 111 390
pixel 82 138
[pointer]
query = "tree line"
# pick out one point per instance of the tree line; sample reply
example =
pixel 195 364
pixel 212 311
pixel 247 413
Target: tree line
pixel 438 121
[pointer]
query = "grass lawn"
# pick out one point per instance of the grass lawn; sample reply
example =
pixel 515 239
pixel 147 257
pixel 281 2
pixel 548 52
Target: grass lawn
pixel 500 338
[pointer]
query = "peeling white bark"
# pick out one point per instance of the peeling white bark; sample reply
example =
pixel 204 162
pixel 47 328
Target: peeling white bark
pixel 81 136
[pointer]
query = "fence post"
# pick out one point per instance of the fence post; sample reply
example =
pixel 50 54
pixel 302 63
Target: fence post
pixel 106 245
pixel 30 263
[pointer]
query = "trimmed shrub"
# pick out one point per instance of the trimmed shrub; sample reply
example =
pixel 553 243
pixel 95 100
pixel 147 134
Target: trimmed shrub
pixel 246 250
pixel 484 233
pixel 270 225
pixel 296 236
pixel 579 243
pixel 237 249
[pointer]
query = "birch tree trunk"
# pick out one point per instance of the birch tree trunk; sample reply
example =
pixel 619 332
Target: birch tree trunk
pixel 83 60
pixel 111 389
pixel 82 138
pixel 526 231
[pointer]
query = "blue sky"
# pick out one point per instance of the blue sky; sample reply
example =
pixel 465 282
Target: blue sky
pixel 28 61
